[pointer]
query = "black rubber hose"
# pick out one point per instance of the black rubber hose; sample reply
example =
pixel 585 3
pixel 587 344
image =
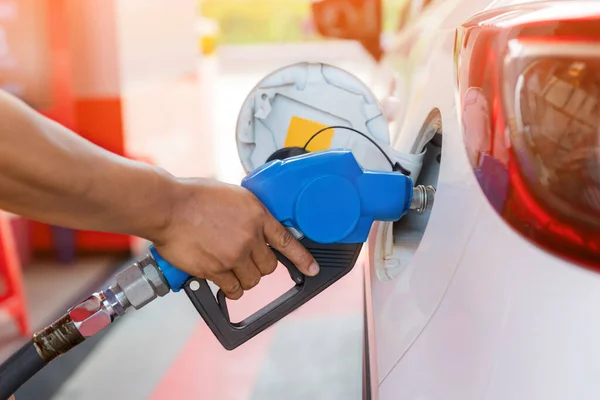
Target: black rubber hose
pixel 18 369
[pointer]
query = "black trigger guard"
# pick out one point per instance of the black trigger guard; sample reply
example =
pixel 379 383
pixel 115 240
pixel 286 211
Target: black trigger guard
pixel 335 261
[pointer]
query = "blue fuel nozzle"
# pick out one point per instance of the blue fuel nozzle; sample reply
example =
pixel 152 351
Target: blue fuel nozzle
pixel 328 196
pixel 331 202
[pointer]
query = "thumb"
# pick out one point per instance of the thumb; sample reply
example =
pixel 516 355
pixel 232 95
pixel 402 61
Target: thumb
pixel 282 240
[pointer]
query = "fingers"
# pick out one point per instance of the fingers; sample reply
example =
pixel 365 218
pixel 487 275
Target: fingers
pixel 263 262
pixel 265 259
pixel 281 239
pixel 248 276
pixel 229 284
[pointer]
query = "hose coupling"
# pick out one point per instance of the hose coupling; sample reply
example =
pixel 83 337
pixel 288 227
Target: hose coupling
pixel 137 285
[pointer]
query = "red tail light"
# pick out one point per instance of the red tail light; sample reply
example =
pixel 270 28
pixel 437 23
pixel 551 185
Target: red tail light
pixel 529 85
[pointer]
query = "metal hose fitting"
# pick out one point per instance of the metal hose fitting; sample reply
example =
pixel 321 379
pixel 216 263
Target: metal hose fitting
pixel 136 285
pixel 57 338
pixel 422 199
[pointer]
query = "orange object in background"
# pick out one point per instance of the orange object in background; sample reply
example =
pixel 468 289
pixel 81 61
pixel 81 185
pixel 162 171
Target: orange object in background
pixel 351 19
pixel 12 294
pixel 97 121
pixel 117 73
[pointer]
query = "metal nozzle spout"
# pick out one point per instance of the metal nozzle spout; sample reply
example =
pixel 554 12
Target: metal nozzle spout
pixel 422 199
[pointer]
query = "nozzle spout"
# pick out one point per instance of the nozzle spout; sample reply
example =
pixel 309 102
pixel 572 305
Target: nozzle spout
pixel 422 199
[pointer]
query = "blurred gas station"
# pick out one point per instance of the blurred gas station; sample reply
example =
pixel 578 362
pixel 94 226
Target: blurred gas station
pixel 162 82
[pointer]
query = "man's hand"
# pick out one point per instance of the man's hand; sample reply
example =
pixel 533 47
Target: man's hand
pixel 220 232
pixel 206 228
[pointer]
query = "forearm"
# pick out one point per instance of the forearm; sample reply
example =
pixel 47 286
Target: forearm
pixel 51 174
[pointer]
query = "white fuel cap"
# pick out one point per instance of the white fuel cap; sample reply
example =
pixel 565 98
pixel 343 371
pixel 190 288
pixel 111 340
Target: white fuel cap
pixel 291 104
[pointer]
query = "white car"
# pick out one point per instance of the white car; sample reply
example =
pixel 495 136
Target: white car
pixel 494 294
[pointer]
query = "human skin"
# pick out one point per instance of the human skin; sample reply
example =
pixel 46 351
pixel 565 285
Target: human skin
pixel 209 229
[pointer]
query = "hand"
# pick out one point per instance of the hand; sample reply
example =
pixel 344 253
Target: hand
pixel 220 232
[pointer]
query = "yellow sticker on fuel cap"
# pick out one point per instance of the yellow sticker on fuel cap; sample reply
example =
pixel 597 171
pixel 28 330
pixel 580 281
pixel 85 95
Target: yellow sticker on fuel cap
pixel 301 130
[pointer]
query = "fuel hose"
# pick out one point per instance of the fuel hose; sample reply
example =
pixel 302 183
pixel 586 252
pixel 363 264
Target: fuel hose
pixel 19 368
pixel 46 345
pixel 135 286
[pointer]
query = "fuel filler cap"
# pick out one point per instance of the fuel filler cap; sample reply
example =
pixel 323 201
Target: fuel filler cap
pixel 290 105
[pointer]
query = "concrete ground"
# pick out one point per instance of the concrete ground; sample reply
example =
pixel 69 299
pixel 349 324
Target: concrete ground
pixel 165 351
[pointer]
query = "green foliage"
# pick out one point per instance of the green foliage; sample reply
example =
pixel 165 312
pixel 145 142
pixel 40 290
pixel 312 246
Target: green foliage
pixel 259 21
pixel 273 21
pixel 391 14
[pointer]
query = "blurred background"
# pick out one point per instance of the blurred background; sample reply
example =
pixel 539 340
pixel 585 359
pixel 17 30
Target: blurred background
pixel 163 81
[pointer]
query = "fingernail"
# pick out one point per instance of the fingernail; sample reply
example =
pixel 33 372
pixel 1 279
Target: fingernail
pixel 313 269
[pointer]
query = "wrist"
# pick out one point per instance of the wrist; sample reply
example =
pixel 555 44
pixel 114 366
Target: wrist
pixel 157 213
pixel 186 197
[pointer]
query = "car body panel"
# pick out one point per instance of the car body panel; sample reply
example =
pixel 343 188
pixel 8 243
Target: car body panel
pixel 515 322
pixel 402 308
pixel 479 312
